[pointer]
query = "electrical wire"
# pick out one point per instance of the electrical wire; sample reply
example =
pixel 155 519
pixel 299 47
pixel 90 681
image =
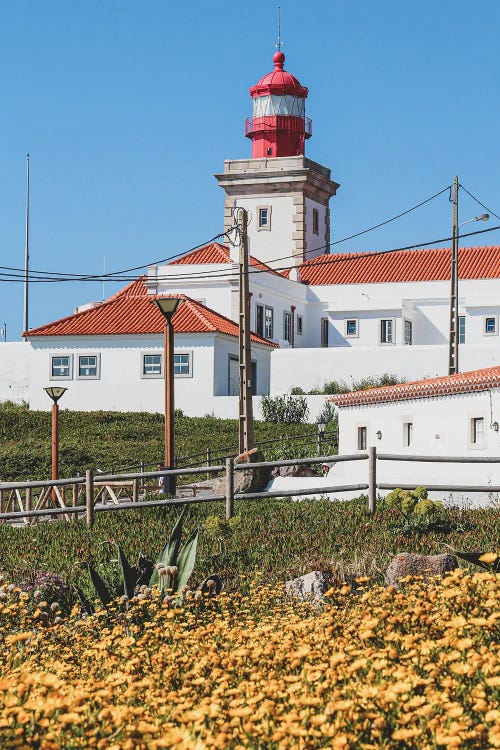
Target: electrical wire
pixel 112 274
pixel 228 273
pixel 478 201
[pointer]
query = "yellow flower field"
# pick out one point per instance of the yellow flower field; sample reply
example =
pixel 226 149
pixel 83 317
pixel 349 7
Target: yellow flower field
pixel 380 669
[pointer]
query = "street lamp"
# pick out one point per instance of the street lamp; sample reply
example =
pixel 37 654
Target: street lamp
pixel 321 434
pixel 168 306
pixel 55 393
pixel 454 333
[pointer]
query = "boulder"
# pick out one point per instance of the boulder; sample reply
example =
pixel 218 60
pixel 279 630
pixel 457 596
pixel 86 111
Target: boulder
pixel 296 470
pixel 410 564
pixel 251 480
pixel 310 587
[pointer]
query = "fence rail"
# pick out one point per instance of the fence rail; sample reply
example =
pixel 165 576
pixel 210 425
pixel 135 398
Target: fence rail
pixel 51 498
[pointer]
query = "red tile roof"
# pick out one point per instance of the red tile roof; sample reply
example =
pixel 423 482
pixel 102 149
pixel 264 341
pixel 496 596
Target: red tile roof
pixel 131 311
pixel 406 265
pixel 462 382
pixel 215 253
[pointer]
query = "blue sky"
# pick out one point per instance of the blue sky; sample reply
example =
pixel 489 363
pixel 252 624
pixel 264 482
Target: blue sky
pixel 128 109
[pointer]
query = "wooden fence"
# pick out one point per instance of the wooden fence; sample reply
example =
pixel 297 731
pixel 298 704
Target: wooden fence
pixel 91 494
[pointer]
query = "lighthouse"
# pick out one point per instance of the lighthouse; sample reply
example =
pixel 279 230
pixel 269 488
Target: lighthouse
pixel 286 194
pixel 278 125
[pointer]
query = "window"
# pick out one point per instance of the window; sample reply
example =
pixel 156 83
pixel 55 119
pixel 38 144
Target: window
pixel 361 438
pixel 182 365
pixel 259 320
pixel 324 331
pixel 264 214
pixel 477 431
pixel 269 320
pixel 351 327
pixel 89 366
pixel 287 326
pixel 234 376
pixel 152 366
pixel 61 367
pixel 490 326
pixel 407 434
pixel 299 325
pixel 461 329
pixel 408 332
pixel 386 331
pixel 315 221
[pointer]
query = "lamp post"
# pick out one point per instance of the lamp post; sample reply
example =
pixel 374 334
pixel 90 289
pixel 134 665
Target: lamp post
pixel 55 393
pixel 454 333
pixel 168 306
pixel 321 433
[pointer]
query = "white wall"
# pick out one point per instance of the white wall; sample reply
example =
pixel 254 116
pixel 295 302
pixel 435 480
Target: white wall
pixel 267 245
pixel 224 347
pixel 310 368
pixel 315 243
pixel 15 371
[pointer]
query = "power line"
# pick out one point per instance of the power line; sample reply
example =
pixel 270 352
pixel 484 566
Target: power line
pixel 111 275
pixel 227 273
pixel 481 204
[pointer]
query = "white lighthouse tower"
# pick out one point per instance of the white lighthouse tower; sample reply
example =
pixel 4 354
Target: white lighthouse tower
pixel 286 194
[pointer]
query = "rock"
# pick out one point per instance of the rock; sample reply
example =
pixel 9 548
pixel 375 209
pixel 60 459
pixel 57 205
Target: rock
pixel 296 470
pixel 310 587
pixel 426 566
pixel 252 480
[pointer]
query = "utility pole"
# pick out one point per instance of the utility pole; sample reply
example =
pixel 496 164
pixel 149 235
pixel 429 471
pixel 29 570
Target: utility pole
pixel 454 334
pixel 27 247
pixel 245 354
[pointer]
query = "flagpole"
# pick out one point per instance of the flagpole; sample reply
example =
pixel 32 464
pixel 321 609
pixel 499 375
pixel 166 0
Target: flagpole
pixel 27 246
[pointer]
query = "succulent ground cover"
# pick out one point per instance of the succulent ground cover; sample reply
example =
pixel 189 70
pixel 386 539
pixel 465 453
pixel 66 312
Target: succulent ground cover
pixel 377 669
pixel 280 538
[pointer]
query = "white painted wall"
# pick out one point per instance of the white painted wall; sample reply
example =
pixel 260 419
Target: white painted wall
pixel 267 245
pixel 15 371
pixel 315 242
pixel 310 368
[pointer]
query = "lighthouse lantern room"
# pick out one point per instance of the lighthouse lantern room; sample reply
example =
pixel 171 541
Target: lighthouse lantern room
pixel 278 126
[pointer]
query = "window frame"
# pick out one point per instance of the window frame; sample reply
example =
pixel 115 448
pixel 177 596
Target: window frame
pixel 189 355
pixel 477 439
pixel 494 320
pixel 259 330
pixel 97 356
pixel 392 321
pixel 354 335
pixel 69 376
pixel 407 434
pixel 315 221
pixel 300 325
pixel 287 323
pixel 407 323
pixel 269 309
pixel 361 437
pixel 461 333
pixel 151 375
pixel 325 325
pixel 267 226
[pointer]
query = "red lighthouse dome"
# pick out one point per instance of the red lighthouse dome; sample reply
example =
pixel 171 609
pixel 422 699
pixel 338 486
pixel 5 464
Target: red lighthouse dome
pixel 278 126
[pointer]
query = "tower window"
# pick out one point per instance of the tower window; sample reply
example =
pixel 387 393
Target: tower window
pixel 315 221
pixel 299 325
pixel 264 216
pixel 324 331
pixel 461 329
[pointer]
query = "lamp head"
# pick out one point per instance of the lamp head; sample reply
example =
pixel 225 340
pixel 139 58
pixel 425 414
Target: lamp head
pixel 55 392
pixel 379 435
pixel 168 306
pixel 321 427
pixel 483 217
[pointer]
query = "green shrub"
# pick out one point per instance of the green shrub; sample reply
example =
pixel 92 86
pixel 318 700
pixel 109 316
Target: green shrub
pixel 285 409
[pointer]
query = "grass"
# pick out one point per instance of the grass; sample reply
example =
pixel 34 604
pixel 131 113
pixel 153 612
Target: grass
pixel 111 440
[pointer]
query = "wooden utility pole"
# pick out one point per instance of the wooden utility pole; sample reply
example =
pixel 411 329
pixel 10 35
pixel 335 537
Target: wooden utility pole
pixel 168 347
pixel 453 340
pixel 245 353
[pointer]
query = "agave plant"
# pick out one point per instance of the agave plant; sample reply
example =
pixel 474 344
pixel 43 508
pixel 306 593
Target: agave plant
pixel 171 572
pixel 488 560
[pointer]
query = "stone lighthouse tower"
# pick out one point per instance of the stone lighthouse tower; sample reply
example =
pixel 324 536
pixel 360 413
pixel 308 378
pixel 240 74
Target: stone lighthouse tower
pixel 287 196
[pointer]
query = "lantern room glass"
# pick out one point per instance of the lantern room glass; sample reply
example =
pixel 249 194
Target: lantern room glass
pixel 265 106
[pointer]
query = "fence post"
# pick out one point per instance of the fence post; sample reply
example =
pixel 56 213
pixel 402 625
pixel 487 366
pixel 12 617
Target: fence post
pixel 229 488
pixel 135 490
pixel 208 461
pixel 27 504
pixel 143 483
pixel 89 499
pixel 372 479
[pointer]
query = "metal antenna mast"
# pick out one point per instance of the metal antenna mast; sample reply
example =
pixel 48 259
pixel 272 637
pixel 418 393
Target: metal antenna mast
pixel 27 246
pixel 280 41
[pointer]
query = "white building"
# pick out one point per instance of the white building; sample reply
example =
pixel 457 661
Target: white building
pixel 316 316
